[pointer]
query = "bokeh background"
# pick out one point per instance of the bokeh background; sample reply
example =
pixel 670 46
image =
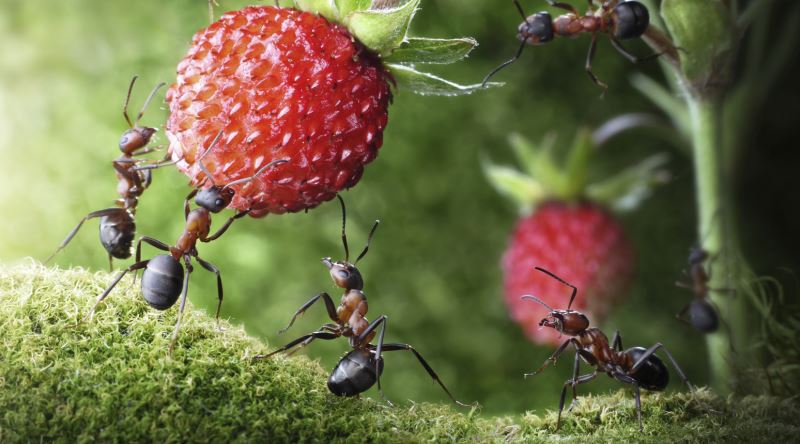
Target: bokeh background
pixel 434 265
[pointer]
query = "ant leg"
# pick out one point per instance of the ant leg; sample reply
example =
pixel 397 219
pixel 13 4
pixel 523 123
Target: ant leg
pixel 588 67
pixel 225 226
pixel 304 340
pixel 184 294
pixel 382 321
pixel 638 397
pixel 156 165
pixel 683 285
pixel 616 341
pixel 566 6
pixel 329 306
pixel 681 316
pixel 395 347
pixel 110 262
pixel 136 266
pixel 93 214
pixel 151 241
pixel 504 64
pixel 210 267
pixel 628 55
pixel 554 357
pixel 651 351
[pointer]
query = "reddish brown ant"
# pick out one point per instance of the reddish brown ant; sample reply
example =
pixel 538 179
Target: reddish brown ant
pixel 164 278
pixel 117 225
pixel 637 366
pixel 702 315
pixel 619 20
pixel 361 368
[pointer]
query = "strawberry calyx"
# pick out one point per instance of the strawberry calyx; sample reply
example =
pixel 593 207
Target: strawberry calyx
pixel 543 179
pixel 382 27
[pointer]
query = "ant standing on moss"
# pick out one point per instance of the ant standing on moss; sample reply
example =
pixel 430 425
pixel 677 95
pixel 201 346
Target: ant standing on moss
pixel 117 225
pixel 164 278
pixel 637 366
pixel 361 368
pixel 620 20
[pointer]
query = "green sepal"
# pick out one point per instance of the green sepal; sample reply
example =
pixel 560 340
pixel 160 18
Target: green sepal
pixel 346 7
pixel 520 188
pixel 625 190
pixel 427 84
pixel 382 30
pixel 703 32
pixel 325 8
pixel 577 165
pixel 441 51
pixel 538 162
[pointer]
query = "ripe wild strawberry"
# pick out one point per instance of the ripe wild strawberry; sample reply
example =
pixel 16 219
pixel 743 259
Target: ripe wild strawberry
pixel 312 88
pixel 567 229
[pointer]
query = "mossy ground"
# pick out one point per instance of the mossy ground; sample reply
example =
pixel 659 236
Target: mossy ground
pixel 112 380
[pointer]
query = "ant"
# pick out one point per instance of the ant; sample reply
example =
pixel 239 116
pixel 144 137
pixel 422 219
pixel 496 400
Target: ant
pixel 117 224
pixel 361 368
pixel 701 312
pixel 164 278
pixel 620 20
pixel 637 366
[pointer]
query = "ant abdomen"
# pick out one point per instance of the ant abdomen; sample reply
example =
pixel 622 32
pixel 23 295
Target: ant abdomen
pixel 162 281
pixel 703 316
pixel 653 374
pixel 117 231
pixel 631 20
pixel 355 373
pixel 536 29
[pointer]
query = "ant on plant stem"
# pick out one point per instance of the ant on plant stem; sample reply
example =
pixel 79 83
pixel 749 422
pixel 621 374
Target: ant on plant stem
pixel 164 278
pixel 702 315
pixel 117 224
pixel 361 368
pixel 637 366
pixel 620 20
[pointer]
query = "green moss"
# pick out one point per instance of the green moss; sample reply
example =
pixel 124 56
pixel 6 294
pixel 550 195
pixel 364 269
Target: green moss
pixel 112 380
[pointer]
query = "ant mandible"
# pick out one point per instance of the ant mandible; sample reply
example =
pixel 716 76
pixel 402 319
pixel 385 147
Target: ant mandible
pixel 362 367
pixel 637 366
pixel 164 278
pixel 117 225
pixel 620 20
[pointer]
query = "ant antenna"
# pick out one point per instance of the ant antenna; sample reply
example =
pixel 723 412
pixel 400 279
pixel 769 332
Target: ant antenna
pixel 369 239
pixel 344 234
pixel 500 68
pixel 256 174
pixel 535 299
pixel 128 99
pixel 203 166
pixel 147 102
pixel 574 290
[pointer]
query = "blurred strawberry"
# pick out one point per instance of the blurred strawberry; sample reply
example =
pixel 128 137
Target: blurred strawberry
pixel 310 87
pixel 567 228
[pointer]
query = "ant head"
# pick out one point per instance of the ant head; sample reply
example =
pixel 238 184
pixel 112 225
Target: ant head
pixel 214 199
pixel 344 274
pixel 536 29
pixel 697 256
pixel 136 136
pixel 630 19
pixel 568 322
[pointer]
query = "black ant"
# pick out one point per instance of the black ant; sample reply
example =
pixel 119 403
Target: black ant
pixel 637 366
pixel 620 20
pixel 701 312
pixel 117 225
pixel 361 368
pixel 164 278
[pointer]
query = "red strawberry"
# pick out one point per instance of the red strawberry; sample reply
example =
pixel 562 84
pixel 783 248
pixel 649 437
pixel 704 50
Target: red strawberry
pixel 284 84
pixel 567 230
pixel 584 245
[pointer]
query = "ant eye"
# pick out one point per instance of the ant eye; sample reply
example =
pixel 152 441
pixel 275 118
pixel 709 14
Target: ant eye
pixel 219 202
pixel 342 274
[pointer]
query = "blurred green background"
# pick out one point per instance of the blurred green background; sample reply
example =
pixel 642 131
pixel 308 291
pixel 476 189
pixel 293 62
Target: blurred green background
pixel 434 265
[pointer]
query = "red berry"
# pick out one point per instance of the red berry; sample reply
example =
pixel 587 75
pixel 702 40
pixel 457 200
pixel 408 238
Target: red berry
pixel 279 84
pixel 583 245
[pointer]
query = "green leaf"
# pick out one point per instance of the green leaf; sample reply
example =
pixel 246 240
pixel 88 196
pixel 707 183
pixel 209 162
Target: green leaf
pixel 521 189
pixel 325 8
pixel 703 31
pixel 426 84
pixel 422 50
pixel 382 30
pixel 346 7
pixel 627 189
